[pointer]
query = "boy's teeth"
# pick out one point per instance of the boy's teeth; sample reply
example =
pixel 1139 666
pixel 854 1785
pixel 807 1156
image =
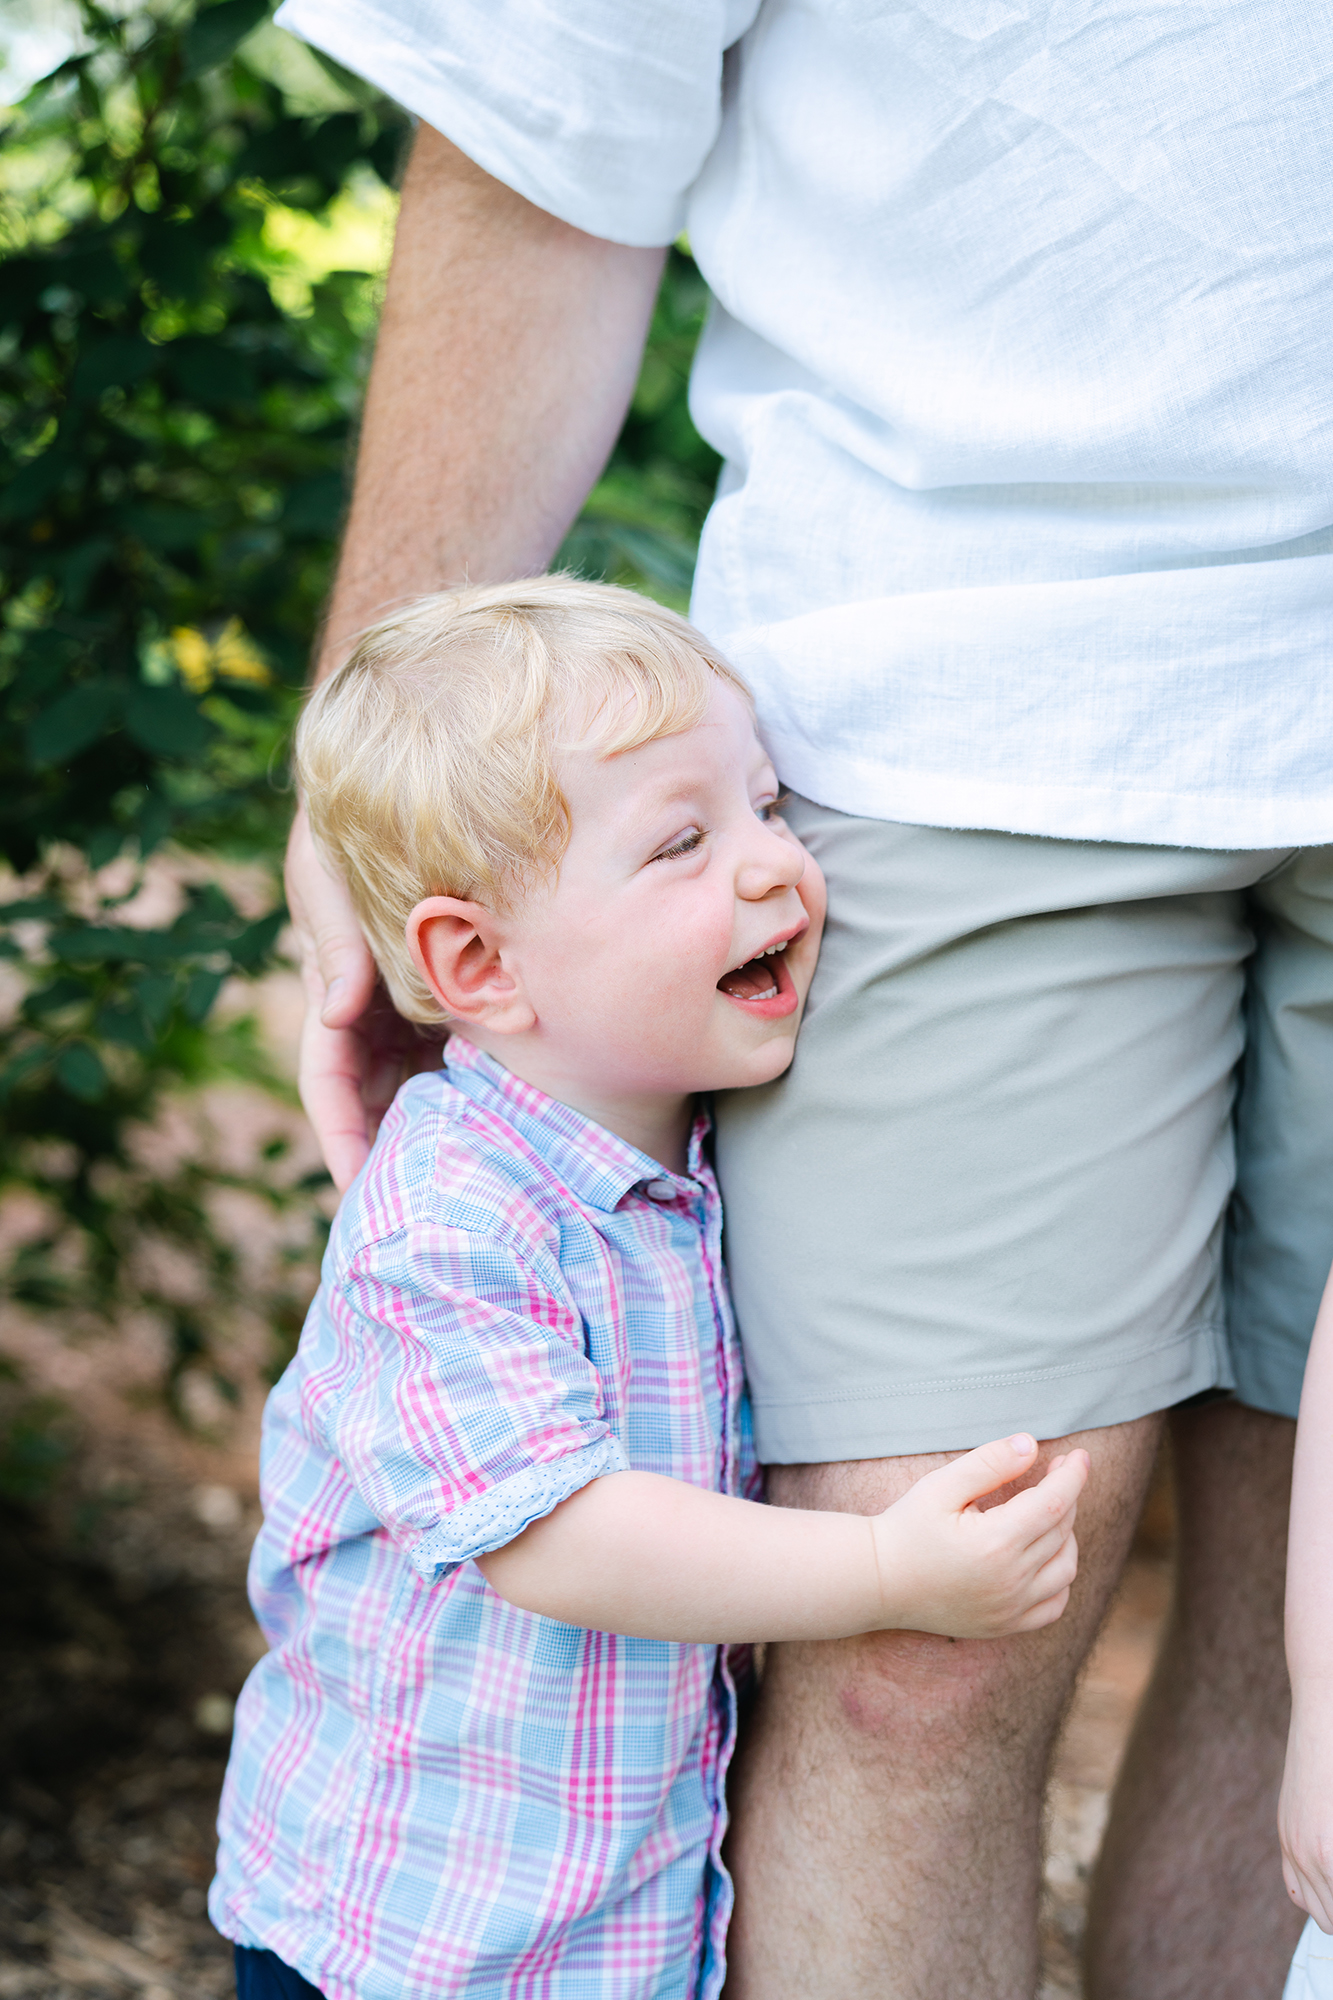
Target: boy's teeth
pixel 767 952
pixel 745 973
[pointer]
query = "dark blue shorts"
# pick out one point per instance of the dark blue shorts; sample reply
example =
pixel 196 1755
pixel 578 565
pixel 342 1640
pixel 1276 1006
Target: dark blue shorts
pixel 262 1975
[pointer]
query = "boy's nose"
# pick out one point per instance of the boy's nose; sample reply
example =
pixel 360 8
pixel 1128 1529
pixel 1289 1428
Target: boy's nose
pixel 771 863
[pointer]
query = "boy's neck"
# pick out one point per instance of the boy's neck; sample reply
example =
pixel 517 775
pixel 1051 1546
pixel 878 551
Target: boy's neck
pixel 657 1126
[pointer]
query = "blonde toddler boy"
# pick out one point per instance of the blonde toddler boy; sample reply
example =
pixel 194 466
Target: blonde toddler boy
pixel 510 1513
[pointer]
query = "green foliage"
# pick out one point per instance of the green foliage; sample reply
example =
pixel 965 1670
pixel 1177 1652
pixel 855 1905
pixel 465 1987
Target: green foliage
pixel 177 391
pixel 170 484
pixel 35 1443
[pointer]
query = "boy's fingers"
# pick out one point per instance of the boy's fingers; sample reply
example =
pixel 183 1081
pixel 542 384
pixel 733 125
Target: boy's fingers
pixel 1036 1554
pixel 1059 1490
pixel 1044 1613
pixel 1059 1573
pixel 979 1472
pixel 1032 1515
pixel 1050 1502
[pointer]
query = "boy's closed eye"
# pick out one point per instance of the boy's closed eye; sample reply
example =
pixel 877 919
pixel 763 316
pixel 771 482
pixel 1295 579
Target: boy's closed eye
pixel 693 837
pixel 687 842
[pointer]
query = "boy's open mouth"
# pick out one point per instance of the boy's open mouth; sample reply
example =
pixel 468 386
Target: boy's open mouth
pixel 763 977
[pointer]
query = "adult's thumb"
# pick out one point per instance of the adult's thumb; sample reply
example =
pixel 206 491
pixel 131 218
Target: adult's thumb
pixel 979 1472
pixel 333 946
pixel 348 972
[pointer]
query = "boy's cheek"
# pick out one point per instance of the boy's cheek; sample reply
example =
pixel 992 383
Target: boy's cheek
pixel 813 892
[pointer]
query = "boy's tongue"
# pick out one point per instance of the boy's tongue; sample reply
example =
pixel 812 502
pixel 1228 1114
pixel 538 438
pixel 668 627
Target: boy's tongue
pixel 754 981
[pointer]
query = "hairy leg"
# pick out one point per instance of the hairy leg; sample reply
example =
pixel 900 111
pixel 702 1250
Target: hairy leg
pixel 1188 1901
pixel 888 1804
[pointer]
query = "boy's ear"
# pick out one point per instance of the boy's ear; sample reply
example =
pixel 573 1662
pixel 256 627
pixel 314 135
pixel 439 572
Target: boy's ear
pixel 456 947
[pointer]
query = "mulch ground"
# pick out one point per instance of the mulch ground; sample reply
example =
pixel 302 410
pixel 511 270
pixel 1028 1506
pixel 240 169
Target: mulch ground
pixel 123 1642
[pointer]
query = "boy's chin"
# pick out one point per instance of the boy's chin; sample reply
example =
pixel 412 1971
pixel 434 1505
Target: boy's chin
pixel 762 1065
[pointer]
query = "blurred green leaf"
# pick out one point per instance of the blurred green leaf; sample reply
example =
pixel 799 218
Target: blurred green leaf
pixel 200 993
pixel 314 506
pixel 214 34
pixel 78 566
pixel 166 721
pixel 33 485
pixel 207 372
pixel 72 722
pixel 255 942
pixel 117 362
pixel 155 994
pixel 35 1446
pixel 49 999
pixel 125 1025
pixel 79 1068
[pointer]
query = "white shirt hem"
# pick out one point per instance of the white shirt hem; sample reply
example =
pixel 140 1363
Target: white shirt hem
pixel 1222 821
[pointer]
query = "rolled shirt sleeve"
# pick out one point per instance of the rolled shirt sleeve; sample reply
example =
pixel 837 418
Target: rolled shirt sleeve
pixel 457 1393
pixel 601 112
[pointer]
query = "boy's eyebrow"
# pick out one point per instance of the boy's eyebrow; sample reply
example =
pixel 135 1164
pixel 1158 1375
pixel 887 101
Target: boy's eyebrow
pixel 650 818
pixel 660 797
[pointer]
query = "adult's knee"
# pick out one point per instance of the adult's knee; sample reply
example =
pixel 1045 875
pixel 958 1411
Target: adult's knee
pixel 917 1694
pixel 912 1693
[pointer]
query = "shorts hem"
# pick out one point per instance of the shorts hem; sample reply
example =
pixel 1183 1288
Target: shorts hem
pixel 1267 1378
pixel 954 1415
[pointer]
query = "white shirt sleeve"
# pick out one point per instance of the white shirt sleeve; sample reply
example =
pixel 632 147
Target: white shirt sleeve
pixel 602 112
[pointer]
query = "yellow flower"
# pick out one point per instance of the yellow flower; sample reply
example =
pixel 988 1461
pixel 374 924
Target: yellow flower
pixel 237 658
pixel 194 658
pixel 232 656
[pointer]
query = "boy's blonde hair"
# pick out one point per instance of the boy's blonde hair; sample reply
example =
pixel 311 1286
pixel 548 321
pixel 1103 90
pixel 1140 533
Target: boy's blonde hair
pixel 426 761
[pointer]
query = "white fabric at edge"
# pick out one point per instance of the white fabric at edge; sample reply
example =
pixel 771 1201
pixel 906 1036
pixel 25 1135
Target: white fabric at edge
pixel 1311 1975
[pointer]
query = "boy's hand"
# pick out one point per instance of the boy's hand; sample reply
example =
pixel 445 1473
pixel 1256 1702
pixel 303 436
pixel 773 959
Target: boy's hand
pixel 947 1566
pixel 1305 1812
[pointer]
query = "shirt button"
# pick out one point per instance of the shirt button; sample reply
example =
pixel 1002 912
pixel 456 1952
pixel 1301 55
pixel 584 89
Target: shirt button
pixel 659 1190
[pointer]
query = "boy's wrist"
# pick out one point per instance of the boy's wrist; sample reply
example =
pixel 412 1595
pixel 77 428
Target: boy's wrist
pixel 892 1570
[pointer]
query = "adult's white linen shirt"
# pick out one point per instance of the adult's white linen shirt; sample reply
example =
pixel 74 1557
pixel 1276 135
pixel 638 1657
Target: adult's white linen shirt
pixel 1021 366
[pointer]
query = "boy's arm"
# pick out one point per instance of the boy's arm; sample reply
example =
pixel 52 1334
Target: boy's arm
pixel 1305 1816
pixel 655 1558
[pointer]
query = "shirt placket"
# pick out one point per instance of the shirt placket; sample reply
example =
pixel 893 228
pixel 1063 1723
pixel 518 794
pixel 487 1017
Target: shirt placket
pixel 723 1718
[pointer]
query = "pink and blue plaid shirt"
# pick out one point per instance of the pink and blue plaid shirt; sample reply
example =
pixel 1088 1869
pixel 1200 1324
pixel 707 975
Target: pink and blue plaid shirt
pixel 431 1792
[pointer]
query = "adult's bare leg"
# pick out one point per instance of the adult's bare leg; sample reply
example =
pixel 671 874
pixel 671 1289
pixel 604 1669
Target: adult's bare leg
pixel 1188 1901
pixel 887 1835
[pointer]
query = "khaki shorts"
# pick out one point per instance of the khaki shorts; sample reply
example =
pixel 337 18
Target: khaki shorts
pixel 1056 1148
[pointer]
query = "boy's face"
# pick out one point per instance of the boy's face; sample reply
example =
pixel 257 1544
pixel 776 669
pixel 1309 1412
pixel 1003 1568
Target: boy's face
pixel 675 949
pixel 677 946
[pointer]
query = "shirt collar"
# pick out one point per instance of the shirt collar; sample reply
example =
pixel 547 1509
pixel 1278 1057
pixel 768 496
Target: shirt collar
pixel 599 1167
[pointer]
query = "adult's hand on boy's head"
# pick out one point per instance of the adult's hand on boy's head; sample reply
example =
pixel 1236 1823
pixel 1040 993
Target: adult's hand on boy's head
pixel 355 1050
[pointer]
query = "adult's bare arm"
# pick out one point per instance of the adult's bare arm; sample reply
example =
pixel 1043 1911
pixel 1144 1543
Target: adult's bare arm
pixel 507 354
